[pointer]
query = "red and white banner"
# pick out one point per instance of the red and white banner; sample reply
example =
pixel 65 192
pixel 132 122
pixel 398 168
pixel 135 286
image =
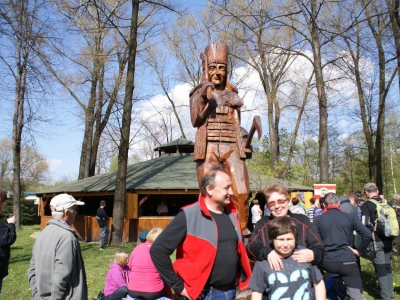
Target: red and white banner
pixel 321 189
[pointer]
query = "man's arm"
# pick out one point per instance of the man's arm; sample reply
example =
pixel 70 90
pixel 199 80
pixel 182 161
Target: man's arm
pixel 65 261
pixel 7 234
pixel 258 246
pixel 364 232
pixel 32 277
pixel 366 214
pixel 102 214
pixel 164 246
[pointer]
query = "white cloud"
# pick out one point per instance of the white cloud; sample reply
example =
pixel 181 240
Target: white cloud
pixel 54 164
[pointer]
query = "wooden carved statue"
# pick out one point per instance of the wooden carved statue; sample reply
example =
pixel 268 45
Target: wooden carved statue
pixel 215 111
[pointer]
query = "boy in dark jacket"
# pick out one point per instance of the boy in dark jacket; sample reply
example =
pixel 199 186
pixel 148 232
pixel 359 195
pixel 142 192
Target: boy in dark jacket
pixel 101 217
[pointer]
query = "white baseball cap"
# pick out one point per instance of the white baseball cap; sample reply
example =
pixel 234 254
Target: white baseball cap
pixel 63 201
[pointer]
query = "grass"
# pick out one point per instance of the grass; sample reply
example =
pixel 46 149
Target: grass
pixel 16 286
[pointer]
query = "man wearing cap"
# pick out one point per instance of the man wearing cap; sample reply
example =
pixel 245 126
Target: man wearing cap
pixel 215 111
pixel 382 249
pixel 56 270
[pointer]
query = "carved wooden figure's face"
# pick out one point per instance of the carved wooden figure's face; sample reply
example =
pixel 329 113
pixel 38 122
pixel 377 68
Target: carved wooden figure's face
pixel 217 75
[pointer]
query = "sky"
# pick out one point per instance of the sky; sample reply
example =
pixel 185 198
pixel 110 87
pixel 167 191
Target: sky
pixel 60 141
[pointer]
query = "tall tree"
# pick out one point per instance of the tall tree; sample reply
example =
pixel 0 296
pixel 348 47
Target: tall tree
pixel 120 185
pixel 103 60
pixel 23 29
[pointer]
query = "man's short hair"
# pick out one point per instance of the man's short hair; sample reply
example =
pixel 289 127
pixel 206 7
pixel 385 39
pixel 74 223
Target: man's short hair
pixel 280 226
pixel 275 187
pixel 351 196
pixel 3 196
pixel 370 187
pixel 396 197
pixel 209 178
pixel 331 199
pixel 312 200
pixel 102 202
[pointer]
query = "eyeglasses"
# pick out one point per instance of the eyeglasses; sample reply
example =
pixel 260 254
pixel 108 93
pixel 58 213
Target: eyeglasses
pixel 279 201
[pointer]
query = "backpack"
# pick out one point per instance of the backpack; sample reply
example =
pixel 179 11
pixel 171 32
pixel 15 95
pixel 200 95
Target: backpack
pixel 386 223
pixel 335 288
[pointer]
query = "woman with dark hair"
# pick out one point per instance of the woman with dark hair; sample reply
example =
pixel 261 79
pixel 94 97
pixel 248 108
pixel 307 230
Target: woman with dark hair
pixel 7 238
pixel 311 209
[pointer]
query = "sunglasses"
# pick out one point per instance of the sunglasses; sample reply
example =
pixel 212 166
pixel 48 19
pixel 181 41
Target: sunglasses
pixel 273 203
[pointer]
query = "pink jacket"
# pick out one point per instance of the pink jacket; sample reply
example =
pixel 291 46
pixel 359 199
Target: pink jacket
pixel 143 276
pixel 116 277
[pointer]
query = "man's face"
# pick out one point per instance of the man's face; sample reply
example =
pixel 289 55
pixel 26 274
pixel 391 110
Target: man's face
pixel 284 244
pixel 217 74
pixel 278 204
pixel 70 214
pixel 222 191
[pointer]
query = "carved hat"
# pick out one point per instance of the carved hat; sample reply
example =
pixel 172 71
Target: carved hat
pixel 217 53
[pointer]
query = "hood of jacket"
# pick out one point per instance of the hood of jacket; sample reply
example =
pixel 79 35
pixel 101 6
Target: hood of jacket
pixel 343 199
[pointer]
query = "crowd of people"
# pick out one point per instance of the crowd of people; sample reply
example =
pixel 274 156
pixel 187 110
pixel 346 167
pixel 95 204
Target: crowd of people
pixel 292 249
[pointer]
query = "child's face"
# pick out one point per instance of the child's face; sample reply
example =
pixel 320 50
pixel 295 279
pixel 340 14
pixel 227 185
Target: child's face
pixel 284 244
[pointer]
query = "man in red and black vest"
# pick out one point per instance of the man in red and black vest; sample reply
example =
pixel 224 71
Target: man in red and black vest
pixel 210 254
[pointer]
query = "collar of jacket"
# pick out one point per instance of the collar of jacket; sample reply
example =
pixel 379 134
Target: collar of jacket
pixel 203 207
pixel 329 207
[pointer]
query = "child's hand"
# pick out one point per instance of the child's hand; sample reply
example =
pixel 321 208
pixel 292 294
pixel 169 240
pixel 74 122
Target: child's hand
pixel 275 261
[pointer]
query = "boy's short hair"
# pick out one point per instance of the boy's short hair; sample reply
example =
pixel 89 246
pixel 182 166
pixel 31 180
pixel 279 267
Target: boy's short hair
pixel 121 258
pixel 280 226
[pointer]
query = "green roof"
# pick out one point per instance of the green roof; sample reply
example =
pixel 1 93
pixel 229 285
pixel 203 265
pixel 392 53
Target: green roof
pixel 177 142
pixel 169 171
pixel 259 181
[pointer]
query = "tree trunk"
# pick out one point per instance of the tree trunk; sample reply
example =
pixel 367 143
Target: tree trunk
pixel 322 99
pixel 86 150
pixel 120 185
pixel 22 49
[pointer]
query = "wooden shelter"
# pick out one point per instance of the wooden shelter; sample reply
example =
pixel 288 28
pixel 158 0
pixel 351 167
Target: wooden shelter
pixel 171 177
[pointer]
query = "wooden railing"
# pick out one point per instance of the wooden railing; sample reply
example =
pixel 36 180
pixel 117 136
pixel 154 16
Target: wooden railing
pixel 88 230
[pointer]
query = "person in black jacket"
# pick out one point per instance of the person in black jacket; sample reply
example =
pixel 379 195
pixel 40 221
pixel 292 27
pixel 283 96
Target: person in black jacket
pixel 259 248
pixel 7 238
pixel 336 228
pixel 101 217
pixel 382 246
